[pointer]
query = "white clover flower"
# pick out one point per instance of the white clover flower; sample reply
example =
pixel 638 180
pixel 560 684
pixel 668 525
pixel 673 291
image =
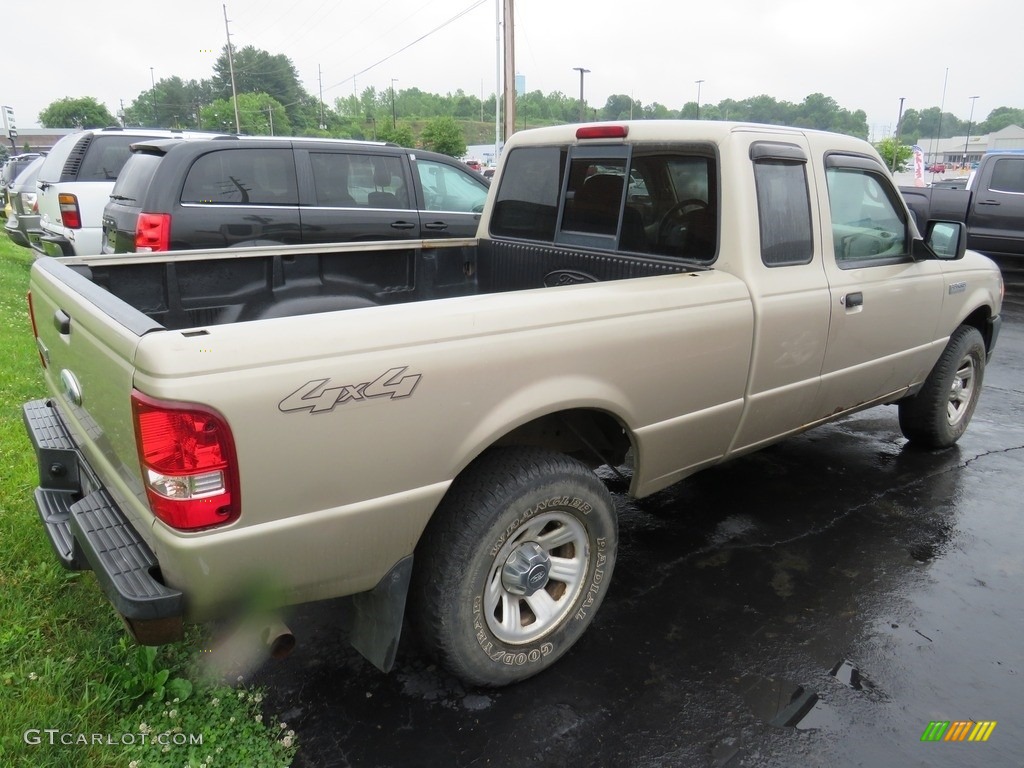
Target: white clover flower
pixel 172 714
pixel 282 726
pixel 133 764
pixel 287 741
pixel 143 728
pixel 33 676
pixel 258 698
pixel 259 718
pixel 215 702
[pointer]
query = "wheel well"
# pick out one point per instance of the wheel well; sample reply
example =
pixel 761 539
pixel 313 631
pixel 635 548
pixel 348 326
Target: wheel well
pixel 979 319
pixel 591 436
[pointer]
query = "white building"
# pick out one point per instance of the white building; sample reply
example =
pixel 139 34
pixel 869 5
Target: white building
pixel 961 150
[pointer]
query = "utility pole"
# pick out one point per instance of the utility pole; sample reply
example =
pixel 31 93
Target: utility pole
pixel 394 115
pixel 698 97
pixel 510 70
pixel 152 96
pixel 320 78
pixel 583 113
pixel 270 114
pixel 231 68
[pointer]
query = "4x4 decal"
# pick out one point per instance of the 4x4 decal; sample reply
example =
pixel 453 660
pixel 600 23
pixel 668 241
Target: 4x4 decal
pixel 316 397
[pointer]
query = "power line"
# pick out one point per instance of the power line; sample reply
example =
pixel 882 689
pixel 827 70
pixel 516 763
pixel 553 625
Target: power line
pixel 404 48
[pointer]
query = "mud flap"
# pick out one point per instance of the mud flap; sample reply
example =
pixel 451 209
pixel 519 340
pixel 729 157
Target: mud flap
pixel 377 616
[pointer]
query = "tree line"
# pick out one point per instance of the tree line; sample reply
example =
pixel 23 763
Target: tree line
pixel 271 99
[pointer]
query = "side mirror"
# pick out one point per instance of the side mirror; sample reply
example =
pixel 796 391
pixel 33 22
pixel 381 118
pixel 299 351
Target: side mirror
pixel 946 239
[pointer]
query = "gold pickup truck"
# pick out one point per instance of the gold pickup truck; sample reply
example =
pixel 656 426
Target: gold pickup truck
pixel 417 424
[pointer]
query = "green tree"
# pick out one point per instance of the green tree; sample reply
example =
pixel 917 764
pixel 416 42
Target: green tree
pixel 257 71
pixel 895 153
pixel 401 134
pixel 257 112
pixel 443 134
pixel 172 103
pixel 85 112
pixel 1000 118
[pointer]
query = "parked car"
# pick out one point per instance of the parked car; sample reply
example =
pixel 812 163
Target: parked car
pixel 10 172
pixel 936 168
pixel 24 215
pixel 243 191
pixel 75 182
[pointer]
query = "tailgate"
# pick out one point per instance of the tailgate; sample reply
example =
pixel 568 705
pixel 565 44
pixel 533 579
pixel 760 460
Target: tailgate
pixel 87 338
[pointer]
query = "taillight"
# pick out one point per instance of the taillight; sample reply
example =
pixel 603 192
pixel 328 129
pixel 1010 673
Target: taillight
pixel 188 462
pixel 153 232
pixel 29 202
pixel 70 216
pixel 35 332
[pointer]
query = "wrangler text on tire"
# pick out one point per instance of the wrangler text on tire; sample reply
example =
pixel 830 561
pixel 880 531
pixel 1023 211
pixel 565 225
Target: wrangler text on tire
pixel 514 564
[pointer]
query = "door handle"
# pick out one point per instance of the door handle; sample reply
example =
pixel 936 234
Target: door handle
pixel 436 225
pixel 988 202
pixel 62 322
pixel 851 300
pixel 402 225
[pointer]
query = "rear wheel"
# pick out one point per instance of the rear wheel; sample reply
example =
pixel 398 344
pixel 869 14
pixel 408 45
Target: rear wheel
pixel 514 565
pixel 938 415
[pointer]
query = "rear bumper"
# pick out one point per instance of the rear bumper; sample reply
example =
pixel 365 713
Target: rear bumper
pixel 55 245
pixel 16 235
pixel 88 531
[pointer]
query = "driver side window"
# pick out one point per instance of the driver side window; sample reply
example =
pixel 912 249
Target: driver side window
pixel 866 225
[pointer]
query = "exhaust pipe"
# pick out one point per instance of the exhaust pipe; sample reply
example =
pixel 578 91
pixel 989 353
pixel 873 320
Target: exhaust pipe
pixel 278 640
pixel 242 648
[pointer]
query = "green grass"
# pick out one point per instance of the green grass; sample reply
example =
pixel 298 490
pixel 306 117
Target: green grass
pixel 65 663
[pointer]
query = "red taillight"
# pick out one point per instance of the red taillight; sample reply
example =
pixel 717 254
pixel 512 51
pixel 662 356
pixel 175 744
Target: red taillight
pixel 153 232
pixel 70 216
pixel 188 462
pixel 35 331
pixel 602 132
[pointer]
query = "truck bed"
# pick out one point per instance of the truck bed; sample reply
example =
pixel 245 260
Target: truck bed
pixel 215 287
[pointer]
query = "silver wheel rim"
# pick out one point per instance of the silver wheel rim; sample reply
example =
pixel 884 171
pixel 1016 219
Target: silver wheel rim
pixel 535 578
pixel 961 391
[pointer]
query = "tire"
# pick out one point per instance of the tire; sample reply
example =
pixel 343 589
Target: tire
pixel 938 415
pixel 513 565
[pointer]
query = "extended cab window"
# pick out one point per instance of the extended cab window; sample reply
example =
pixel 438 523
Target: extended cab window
pixel 867 225
pixel 526 203
pixel 783 203
pixel 242 177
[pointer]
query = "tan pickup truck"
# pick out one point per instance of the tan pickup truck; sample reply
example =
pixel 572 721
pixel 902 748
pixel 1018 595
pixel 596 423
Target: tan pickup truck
pixel 416 424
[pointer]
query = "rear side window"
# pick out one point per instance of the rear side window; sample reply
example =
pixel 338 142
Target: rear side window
pixel 134 179
pixel 526 204
pixel 1008 175
pixel 105 158
pixel 249 176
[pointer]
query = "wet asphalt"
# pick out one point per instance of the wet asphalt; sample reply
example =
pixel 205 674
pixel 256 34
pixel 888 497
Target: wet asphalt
pixel 819 603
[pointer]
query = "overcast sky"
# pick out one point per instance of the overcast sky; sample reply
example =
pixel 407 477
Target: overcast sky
pixel 865 54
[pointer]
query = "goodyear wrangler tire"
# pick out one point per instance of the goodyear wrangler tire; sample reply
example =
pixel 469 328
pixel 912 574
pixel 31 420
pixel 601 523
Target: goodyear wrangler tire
pixel 514 565
pixel 938 415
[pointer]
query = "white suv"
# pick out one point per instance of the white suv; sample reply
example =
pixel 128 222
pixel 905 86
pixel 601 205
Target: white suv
pixel 75 182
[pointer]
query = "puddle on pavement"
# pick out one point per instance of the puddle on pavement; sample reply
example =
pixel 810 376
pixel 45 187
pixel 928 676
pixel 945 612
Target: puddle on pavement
pixel 785 704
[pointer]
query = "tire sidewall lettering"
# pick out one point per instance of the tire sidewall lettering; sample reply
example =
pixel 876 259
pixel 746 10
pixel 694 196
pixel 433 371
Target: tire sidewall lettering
pixel 557 502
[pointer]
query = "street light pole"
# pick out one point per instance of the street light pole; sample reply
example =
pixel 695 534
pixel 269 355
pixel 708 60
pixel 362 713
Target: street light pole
pixel 582 72
pixel 969 119
pixel 698 82
pixel 152 97
pixel 394 115
pixel 896 139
